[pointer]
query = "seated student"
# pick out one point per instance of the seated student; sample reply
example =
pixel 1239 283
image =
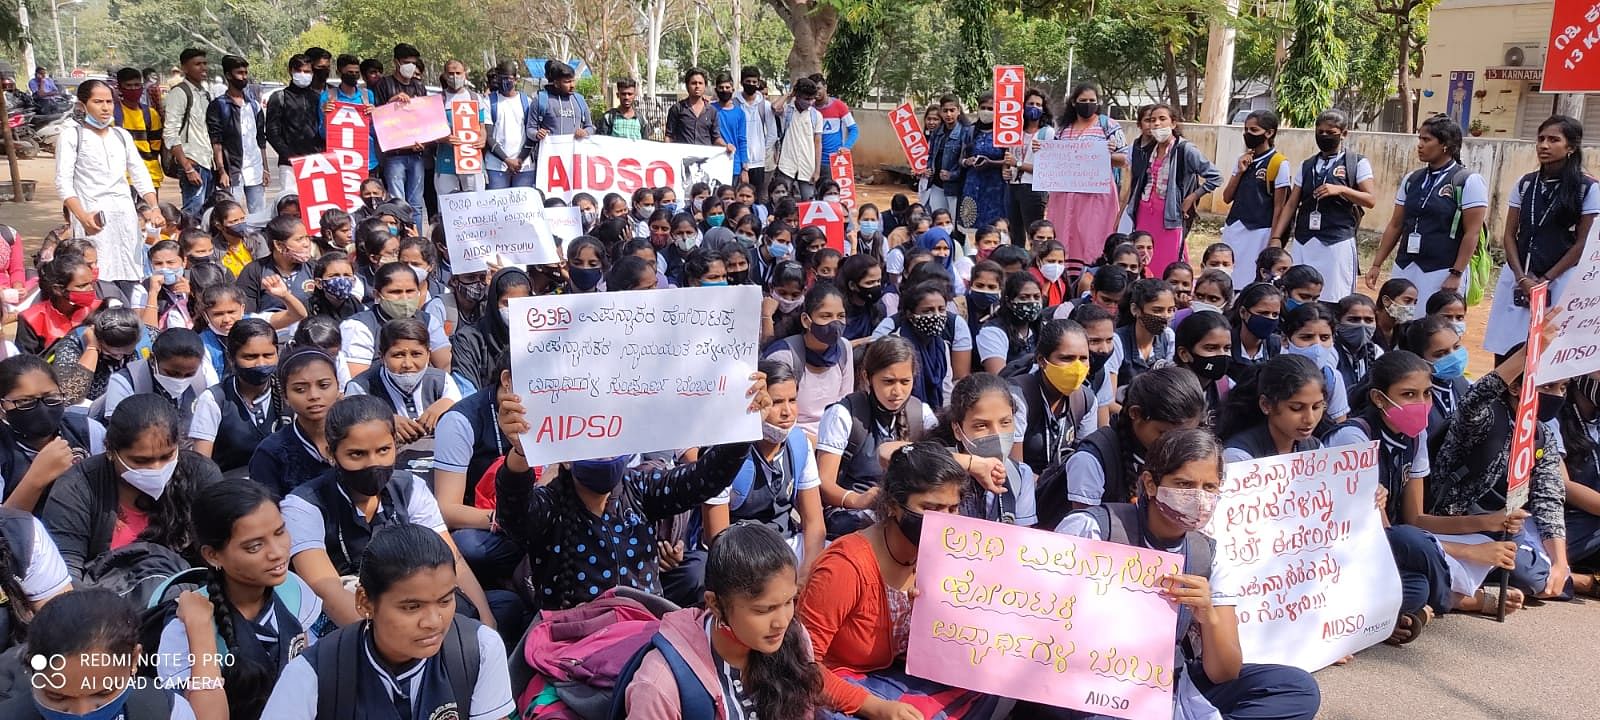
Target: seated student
pixel 174 371
pixel 1308 331
pixel 857 604
pixel 736 256
pixel 982 301
pixel 1397 305
pixel 139 489
pixel 776 486
pixel 1432 338
pixel 419 254
pixel 776 245
pixel 597 504
pixel 66 297
pixel 1203 341
pixel 1012 332
pixel 629 272
pixel 1109 286
pixel 1112 242
pixel 31 573
pixel 1470 480
pixel 1435 576
pixel 866 302
pixel 290 256
pixel 297 451
pixel 746 647
pixel 1049 267
pixel 1011 259
pixel 1057 407
pixel 1108 461
pixel 232 417
pixel 586 264
pixel 1142 328
pixel 942 339
pixel 332 518
pixel 824 265
pixel 407 594
pixel 334 294
pixel 110 339
pixel 1353 338
pixel 377 244
pixel 336 232
pixel 474 347
pixel 1450 306
pixel 820 358
pixel 168 285
pixel 223 305
pixel 1219 256
pixel 705 267
pixel 41 437
pixel 252 611
pixel 468 444
pixel 1124 257
pixel 399 296
pixel 981 421
pixel 1300 284
pixel 1213 291
pixel 322 333
pixel 415 393
pixel 1271 264
pixel 1099 327
pixel 1144 246
pixel 1255 317
pixel 1580 434
pixel 1277 411
pixel 1177 491
pixel 90 623
pixel 85 248
pixel 1181 277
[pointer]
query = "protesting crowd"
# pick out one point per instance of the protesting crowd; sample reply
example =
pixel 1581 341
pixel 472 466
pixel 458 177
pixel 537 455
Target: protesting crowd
pixel 279 466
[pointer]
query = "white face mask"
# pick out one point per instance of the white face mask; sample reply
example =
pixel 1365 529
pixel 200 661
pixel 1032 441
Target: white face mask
pixel 300 79
pixel 407 382
pixel 1197 306
pixel 174 386
pixel 1052 271
pixel 456 82
pixel 408 70
pixel 772 433
pixel 505 315
pixel 1161 134
pixel 150 481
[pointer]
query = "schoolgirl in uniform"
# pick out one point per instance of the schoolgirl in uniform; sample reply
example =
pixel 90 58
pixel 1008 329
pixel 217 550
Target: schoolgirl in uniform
pixel 1012 332
pixel 1437 343
pixel 819 357
pixel 298 450
pixel 1108 462
pixel 1204 345
pixel 39 439
pixel 232 417
pixel 1143 334
pixel 1255 327
pixel 1058 408
pixel 1353 338
pixel 1258 190
pixel 399 296
pixel 1300 284
pixel 1332 190
pixel 1439 213
pixel 417 393
pixel 1276 412
pixel 1397 305
pixel 1308 331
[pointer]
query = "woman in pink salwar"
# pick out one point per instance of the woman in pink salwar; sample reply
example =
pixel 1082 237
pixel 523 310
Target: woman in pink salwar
pixel 1083 220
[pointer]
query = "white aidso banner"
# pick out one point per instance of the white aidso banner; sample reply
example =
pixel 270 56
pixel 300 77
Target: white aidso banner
pixel 599 164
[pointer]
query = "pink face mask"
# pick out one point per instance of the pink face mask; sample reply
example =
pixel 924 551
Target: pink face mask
pixel 1188 508
pixel 1409 420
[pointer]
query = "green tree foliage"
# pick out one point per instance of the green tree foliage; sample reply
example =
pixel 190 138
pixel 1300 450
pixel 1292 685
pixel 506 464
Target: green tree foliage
pixel 440 29
pixel 153 32
pixel 1318 63
pixel 323 36
pixel 917 64
pixel 974 55
pixel 853 55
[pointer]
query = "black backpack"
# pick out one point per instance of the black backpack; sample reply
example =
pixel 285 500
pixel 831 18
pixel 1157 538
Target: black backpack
pixel 337 670
pixel 1050 493
pixel 135 571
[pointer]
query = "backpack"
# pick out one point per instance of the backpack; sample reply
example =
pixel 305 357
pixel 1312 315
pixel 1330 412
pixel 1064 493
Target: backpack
pixel 693 700
pixel 571 663
pixel 163 607
pixel 861 414
pixel 136 571
pixel 1050 491
pixel 169 164
pixel 337 671
pixel 1480 269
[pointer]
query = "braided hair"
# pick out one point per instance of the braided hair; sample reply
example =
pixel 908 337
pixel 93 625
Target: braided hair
pixel 217 508
pixel 742 561
pixel 11 570
pixel 239 336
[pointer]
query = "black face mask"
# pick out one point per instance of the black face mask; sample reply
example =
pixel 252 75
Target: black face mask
pixel 350 78
pixel 367 481
pixel 1097 361
pixel 910 524
pixel 238 83
pixel 1550 406
pixel 752 88
pixel 319 76
pixel 870 294
pixel 1253 141
pixel 739 277
pixel 1086 109
pixel 1327 143
pixel 36 422
pixel 724 95
pixel 1211 368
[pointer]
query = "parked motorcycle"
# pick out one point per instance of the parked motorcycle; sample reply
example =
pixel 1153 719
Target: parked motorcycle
pixel 25 138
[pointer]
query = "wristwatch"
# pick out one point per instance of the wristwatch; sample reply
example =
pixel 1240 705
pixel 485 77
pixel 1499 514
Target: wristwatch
pixel 1455 273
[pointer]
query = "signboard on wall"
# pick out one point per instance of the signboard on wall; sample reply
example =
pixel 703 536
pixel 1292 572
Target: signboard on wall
pixel 1523 74
pixel 1572 57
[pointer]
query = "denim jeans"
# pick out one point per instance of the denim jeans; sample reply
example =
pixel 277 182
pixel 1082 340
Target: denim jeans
pixel 502 179
pixel 252 197
pixel 194 196
pixel 402 176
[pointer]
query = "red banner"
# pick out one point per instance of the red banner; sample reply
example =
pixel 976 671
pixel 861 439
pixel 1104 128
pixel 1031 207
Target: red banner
pixel 1526 429
pixel 467 128
pixel 1009 86
pixel 912 141
pixel 1572 60
pixel 844 173
pixel 828 216
pixel 318 180
pixel 349 142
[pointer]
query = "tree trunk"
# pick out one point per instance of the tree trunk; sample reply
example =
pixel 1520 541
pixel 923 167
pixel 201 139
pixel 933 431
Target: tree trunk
pixel 812 27
pixel 1403 75
pixel 655 20
pixel 1191 90
pixel 1219 67
pixel 736 43
pixel 694 41
pixel 1169 65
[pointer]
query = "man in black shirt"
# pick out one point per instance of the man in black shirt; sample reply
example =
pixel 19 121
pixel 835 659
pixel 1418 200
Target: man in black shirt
pixel 693 120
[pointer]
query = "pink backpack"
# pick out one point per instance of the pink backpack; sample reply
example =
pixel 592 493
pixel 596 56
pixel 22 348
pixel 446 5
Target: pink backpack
pixel 576 654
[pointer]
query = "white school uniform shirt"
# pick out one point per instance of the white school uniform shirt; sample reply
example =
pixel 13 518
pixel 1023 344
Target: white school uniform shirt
pixel 46 573
pixel 174 663
pixel 960 343
pixel 833 432
pixel 451 392
pixel 294 697
pixel 360 346
pixel 208 414
pixel 808 479
pixel 1363 174
pixel 97 442
pixel 306 531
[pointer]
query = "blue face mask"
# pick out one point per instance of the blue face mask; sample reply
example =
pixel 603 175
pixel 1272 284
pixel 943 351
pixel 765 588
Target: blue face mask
pixel 714 220
pixel 1261 326
pixel 779 251
pixel 95 122
pixel 1316 353
pixel 169 275
pixel 1032 114
pixel 108 711
pixel 1290 303
pixel 870 227
pixel 1451 366
pixel 713 283
pixel 670 207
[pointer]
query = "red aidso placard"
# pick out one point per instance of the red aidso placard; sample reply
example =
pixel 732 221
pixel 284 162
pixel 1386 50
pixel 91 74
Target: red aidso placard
pixel 826 215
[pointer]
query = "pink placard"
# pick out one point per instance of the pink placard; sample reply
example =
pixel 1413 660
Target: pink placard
pixel 1043 616
pixel 419 120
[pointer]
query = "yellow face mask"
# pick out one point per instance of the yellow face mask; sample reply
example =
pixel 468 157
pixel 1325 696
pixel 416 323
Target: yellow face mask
pixel 1067 378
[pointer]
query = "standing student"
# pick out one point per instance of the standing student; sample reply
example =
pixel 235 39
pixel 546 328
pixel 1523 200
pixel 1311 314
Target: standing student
pixel 406 595
pixel 1058 406
pixel 746 648
pixel 1258 190
pixel 945 173
pixel 1440 211
pixel 1551 216
pixel 234 416
pixel 510 160
pixel 628 120
pixel 1169 178
pixel 446 178
pixel 731 124
pixel 403 166
pixel 820 358
pixel 1024 206
pixel 294 125
pixel 349 90
pixel 1085 219
pixel 298 450
pixel 1177 492
pixel 800 151
pixel 140 114
pixel 184 133
pixel 693 120
pixel 81 627
pixel 839 129
pixel 1331 192
pixel 1144 333
pixel 251 617
pixel 761 130
pixel 983 197
pixel 98 175
pixel 237 126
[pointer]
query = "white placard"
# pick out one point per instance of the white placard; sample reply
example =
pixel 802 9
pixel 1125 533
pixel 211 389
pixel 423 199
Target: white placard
pixel 1301 545
pixel 1576 349
pixel 509 222
pixel 605 374
pixel 599 164
pixel 565 222
pixel 1080 165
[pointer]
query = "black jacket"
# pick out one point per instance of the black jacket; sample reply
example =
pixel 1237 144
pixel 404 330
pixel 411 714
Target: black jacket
pixel 81 513
pixel 222 123
pixel 475 348
pixel 294 123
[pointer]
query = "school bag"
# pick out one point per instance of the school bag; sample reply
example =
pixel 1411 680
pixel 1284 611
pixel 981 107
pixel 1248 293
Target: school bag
pixel 135 571
pixel 1480 269
pixel 693 700
pixel 163 607
pixel 337 671
pixel 570 663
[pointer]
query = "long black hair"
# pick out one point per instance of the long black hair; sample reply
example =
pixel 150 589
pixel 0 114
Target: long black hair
pixel 967 393
pixel 247 680
pixel 398 552
pixel 90 620
pixel 914 469
pixel 351 411
pixel 1570 190
pixel 169 516
pixel 787 684
pixel 1277 380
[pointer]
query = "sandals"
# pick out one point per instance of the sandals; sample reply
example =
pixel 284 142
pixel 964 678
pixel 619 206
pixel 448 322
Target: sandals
pixel 1594 587
pixel 1405 634
pixel 1489 600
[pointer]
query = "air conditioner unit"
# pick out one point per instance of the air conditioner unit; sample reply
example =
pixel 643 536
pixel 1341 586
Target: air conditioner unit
pixel 1527 54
